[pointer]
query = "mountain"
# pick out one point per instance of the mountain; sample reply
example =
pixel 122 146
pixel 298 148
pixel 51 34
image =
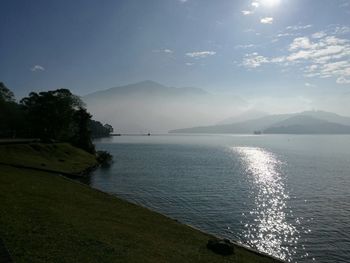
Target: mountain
pixel 304 122
pixel 148 106
pixel 143 88
pixel 328 116
pixel 241 127
pixel 245 116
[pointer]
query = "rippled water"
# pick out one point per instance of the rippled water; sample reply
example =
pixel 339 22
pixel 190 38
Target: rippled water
pixel 288 196
pixel 269 231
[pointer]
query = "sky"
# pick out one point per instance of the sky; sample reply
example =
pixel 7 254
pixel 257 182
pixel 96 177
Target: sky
pixel 280 55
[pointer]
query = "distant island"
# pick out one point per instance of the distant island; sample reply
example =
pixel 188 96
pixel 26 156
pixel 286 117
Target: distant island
pixel 307 122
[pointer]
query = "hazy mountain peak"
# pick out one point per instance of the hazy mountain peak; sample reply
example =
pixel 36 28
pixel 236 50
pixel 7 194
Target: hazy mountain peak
pixel 146 87
pixel 244 116
pixel 150 106
pixel 147 84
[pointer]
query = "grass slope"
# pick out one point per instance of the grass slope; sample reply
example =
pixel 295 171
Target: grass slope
pixel 60 157
pixel 48 218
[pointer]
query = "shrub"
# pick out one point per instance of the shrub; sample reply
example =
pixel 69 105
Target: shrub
pixel 104 158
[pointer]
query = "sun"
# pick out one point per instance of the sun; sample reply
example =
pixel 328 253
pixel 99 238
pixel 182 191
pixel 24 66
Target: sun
pixel 270 3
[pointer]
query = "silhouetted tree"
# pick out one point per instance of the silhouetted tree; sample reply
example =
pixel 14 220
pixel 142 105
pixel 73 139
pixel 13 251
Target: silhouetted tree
pixel 51 114
pixel 58 115
pixel 6 95
pixel 82 137
pixel 11 116
pixel 108 127
pixel 99 130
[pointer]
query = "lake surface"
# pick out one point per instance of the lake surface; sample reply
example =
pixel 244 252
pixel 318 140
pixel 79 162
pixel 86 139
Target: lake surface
pixel 286 195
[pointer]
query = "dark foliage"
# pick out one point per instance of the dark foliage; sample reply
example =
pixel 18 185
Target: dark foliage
pixel 6 94
pixel 104 158
pixel 82 137
pixel 98 130
pixel 56 115
pixel 51 114
pixel 11 116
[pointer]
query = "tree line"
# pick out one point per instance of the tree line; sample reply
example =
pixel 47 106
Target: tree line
pixel 56 115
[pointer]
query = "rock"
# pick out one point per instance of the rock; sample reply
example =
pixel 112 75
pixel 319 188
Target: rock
pixel 221 246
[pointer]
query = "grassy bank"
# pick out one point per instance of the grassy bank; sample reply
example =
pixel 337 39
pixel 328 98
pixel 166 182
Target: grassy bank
pixel 48 218
pixel 59 157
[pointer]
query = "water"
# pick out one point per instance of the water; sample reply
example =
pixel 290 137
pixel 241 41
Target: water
pixel 288 196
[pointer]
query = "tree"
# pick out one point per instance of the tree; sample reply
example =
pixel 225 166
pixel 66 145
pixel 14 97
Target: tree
pixel 11 116
pixel 58 115
pixel 51 113
pixel 109 128
pixel 99 130
pixel 6 95
pixel 82 137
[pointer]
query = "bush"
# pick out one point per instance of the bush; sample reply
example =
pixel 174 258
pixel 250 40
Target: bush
pixel 104 158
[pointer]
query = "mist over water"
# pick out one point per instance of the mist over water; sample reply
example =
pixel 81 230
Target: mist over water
pixel 148 106
pixel 281 194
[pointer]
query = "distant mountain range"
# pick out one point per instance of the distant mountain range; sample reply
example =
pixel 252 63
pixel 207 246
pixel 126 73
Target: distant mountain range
pixel 308 122
pixel 144 88
pixel 148 106
pixel 245 116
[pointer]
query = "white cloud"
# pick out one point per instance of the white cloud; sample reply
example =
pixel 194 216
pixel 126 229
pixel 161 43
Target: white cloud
pixel 37 68
pixel 341 30
pixel 301 43
pixel 164 50
pixel 254 60
pixel 183 1
pixel 266 20
pixel 255 4
pixel 312 68
pixel 247 12
pixel 319 34
pixel 200 54
pixel 307 84
pixel 298 27
pixel 318 55
pixel 251 10
pixel 285 35
pixel 189 64
pixel 325 56
pixel 343 80
pixel 245 46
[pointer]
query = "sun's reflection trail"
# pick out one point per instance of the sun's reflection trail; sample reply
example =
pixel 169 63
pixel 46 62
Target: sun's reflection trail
pixel 268 230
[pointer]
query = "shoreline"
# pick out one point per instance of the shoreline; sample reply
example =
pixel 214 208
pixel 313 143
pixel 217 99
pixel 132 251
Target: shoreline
pixel 234 242
pixel 44 215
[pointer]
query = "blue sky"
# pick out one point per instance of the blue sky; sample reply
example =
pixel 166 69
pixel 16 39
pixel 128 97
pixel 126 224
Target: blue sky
pixel 258 48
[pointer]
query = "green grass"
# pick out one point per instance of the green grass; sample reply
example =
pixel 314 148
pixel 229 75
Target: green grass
pixel 48 218
pixel 61 157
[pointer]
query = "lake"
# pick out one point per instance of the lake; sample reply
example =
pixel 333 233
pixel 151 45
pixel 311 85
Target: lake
pixel 286 195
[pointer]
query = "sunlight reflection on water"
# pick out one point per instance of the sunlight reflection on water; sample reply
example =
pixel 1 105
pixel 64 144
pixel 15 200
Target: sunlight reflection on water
pixel 271 232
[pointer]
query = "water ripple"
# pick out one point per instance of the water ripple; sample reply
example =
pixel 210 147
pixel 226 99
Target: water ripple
pixel 268 229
